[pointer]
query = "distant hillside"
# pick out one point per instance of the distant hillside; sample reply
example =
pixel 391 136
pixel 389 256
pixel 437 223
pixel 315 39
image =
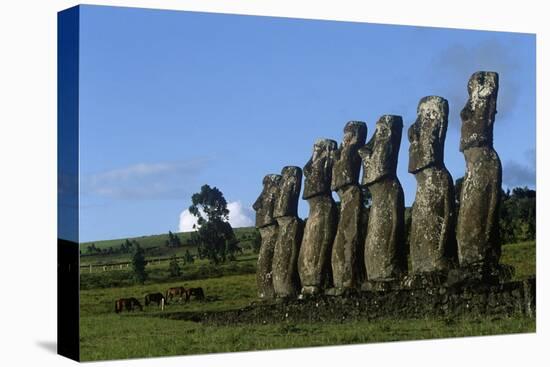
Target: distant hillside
pixel 159 240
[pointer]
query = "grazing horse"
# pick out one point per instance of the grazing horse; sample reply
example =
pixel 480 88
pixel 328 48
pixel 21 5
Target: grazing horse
pixel 176 291
pixel 198 293
pixel 154 297
pixel 128 304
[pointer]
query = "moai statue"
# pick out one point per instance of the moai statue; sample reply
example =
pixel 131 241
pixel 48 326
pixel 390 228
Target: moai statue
pixel 314 258
pixel 385 257
pixel 345 181
pixel 432 244
pixel 477 225
pixel 267 225
pixel 286 282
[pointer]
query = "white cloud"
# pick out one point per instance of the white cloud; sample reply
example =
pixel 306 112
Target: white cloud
pixel 239 216
pixel 187 221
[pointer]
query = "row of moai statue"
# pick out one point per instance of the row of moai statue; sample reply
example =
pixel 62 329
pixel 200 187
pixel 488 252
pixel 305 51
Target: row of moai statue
pixel 337 249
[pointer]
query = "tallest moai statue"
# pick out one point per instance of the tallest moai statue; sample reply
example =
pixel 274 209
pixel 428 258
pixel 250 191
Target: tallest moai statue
pixel 477 226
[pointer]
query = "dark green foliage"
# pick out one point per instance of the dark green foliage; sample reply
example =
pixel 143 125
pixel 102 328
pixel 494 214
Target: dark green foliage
pixel 188 258
pixel 92 249
pixel 173 240
pixel 214 238
pixel 174 267
pixel 138 264
pixel 518 215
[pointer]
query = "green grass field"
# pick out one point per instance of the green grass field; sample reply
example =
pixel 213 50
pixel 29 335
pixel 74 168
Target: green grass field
pixel 106 335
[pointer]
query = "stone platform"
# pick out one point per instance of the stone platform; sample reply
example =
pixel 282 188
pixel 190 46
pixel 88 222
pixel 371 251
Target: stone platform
pixel 468 300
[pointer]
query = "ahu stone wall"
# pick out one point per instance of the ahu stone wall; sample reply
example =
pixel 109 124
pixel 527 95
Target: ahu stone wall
pixel 338 252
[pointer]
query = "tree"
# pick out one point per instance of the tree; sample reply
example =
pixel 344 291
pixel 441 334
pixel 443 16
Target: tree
pixel 138 264
pixel 518 215
pixel 174 267
pixel 214 236
pixel 173 240
pixel 188 258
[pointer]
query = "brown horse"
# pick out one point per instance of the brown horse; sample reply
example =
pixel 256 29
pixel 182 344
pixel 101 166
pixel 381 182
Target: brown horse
pixel 155 297
pixel 198 293
pixel 127 303
pixel 176 291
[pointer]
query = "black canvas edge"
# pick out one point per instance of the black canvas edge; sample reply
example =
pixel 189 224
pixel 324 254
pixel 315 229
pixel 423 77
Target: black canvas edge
pixel 68 259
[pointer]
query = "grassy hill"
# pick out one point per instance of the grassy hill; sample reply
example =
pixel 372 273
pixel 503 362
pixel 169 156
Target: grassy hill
pixel 154 245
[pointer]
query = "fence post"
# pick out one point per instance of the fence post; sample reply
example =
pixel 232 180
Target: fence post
pixel 162 304
pixel 90 268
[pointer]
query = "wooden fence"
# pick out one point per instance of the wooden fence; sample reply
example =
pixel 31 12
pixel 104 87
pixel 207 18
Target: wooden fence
pixel 90 268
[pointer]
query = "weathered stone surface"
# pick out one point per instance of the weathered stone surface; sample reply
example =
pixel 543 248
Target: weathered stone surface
pixel 345 176
pixel 318 170
pixel 265 204
pixel 477 225
pixel 380 154
pixel 432 236
pixel 289 192
pixel 345 262
pixel 347 162
pixel 314 259
pixel 478 115
pixel 470 300
pixel 264 270
pixel 385 256
pixel 266 223
pixel 432 241
pixel 286 282
pixel 427 134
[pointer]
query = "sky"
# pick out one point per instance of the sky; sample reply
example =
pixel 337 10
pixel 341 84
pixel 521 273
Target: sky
pixel 172 100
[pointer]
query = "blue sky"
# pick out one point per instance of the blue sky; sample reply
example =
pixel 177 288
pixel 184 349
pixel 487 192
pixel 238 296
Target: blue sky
pixel 172 100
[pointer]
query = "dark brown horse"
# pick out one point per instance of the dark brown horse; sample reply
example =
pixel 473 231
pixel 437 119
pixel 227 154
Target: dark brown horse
pixel 127 304
pixel 155 297
pixel 198 293
pixel 176 291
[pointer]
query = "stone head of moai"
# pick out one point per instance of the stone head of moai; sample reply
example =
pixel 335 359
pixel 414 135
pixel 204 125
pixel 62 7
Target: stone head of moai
pixel 265 204
pixel 427 134
pixel 380 154
pixel 318 170
pixel 478 115
pixel 347 162
pixel 290 185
